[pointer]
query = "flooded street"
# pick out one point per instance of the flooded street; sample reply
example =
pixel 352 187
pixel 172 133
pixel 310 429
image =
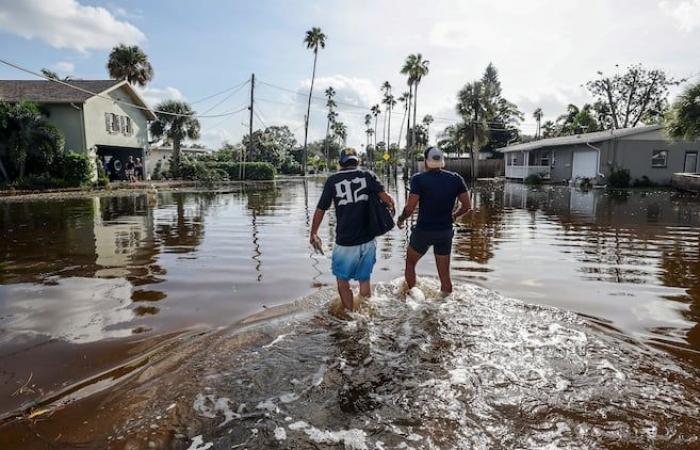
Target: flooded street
pixel 575 323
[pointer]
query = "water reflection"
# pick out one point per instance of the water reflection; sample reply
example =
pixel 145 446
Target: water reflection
pixel 88 270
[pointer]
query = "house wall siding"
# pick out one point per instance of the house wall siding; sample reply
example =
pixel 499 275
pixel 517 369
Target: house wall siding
pixel 635 155
pixel 97 134
pixel 68 120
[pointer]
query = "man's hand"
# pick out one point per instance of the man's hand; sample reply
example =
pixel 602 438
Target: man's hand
pixel 400 223
pixel 312 238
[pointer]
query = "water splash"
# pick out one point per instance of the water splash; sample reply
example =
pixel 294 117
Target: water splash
pixel 472 370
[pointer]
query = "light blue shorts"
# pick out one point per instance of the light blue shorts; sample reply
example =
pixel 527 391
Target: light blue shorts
pixel 354 262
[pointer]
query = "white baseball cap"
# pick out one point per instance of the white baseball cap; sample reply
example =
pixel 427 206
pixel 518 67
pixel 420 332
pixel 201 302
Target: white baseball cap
pixel 434 158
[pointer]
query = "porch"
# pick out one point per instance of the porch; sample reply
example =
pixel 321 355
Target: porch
pixel 520 165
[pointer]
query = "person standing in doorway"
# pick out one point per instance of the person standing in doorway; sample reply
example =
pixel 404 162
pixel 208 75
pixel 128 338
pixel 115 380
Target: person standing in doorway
pixel 354 253
pixel 435 192
pixel 129 169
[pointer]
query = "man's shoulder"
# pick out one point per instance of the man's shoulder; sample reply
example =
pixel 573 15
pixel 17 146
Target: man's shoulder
pixel 453 175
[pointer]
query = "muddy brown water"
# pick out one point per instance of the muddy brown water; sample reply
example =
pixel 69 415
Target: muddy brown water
pixel 575 322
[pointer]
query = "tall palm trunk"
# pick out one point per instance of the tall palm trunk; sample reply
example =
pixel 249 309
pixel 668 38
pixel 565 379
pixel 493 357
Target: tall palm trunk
pixel 388 133
pixel 325 145
pixel 403 120
pixel 415 121
pixel 176 156
pixel 406 165
pixel 374 151
pixel 308 110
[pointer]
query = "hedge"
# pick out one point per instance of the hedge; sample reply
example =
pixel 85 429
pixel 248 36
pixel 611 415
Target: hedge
pixel 253 170
pixel 73 168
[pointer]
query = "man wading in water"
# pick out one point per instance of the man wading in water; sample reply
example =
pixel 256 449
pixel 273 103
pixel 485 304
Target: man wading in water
pixel 354 253
pixel 435 190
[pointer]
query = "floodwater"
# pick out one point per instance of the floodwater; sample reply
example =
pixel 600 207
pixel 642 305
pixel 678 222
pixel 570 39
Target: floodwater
pixel 575 323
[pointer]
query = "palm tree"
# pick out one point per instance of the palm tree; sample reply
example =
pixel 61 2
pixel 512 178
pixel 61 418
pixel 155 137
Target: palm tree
pixel 538 118
pixel 386 90
pixel 427 121
pixel 54 76
pixel 404 99
pixel 683 120
pixel 375 112
pixel 176 122
pixel 340 130
pixel 330 103
pixel 129 63
pixel 475 105
pixel 416 68
pixel 314 40
pixel 368 123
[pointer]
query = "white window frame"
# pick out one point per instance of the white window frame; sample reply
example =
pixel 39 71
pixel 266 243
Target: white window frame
pixel 665 157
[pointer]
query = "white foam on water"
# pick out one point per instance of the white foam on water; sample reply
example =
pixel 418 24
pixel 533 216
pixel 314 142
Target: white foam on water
pixel 280 434
pixel 352 439
pixel 198 444
pixel 277 340
pixel 210 406
pixel 455 369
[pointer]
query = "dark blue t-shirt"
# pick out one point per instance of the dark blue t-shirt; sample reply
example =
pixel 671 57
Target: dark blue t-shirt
pixel 349 191
pixel 438 190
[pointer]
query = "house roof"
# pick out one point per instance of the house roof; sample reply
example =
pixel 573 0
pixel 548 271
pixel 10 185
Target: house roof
pixel 45 91
pixel 167 148
pixel 597 136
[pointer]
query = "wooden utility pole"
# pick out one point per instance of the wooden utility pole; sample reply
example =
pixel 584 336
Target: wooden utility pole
pixel 250 127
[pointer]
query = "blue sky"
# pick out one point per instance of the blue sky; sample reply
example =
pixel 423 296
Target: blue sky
pixel 543 49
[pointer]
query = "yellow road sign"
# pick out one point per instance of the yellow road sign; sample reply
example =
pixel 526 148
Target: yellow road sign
pixel 386 156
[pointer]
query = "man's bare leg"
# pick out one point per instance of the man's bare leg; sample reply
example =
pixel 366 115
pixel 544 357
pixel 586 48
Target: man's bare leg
pixel 365 289
pixel 443 267
pixel 412 258
pixel 345 293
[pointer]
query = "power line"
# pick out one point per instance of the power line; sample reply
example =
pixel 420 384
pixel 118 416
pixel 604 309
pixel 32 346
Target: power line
pixel 257 116
pixel 95 94
pixel 225 98
pixel 237 87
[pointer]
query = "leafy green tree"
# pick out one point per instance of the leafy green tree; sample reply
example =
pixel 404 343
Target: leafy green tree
pixel 26 135
pixel 639 95
pixel 475 103
pixel 130 63
pixel 427 121
pixel 176 122
pixel 683 120
pixel 314 40
pixel 549 129
pixel 577 120
pixel 274 145
pixel 53 75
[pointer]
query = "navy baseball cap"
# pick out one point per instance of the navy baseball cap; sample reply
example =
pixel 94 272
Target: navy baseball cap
pixel 348 155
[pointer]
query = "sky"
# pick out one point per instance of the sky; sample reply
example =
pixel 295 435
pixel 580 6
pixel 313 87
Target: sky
pixel 544 51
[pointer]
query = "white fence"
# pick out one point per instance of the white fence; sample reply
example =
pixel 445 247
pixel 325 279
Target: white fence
pixel 522 172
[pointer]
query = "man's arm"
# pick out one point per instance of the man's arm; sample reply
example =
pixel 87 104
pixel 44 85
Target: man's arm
pixel 465 205
pixel 388 201
pixel 315 224
pixel 408 210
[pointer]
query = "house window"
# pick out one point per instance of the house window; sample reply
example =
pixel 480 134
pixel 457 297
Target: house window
pixel 115 123
pixel 128 127
pixel 514 161
pixel 659 158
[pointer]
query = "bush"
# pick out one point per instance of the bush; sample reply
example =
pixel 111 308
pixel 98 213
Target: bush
pixel 253 170
pixel 534 180
pixel 290 167
pixel 102 178
pixel 644 182
pixel 619 178
pixel 73 168
pixel 44 181
pixel 158 174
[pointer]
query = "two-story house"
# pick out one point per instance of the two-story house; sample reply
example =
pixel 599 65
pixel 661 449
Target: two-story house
pixel 106 119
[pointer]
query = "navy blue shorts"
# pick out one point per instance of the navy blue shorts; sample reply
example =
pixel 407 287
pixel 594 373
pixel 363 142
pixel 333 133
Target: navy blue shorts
pixel 441 241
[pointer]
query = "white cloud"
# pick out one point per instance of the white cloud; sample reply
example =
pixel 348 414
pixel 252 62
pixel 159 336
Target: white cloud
pixel 64 67
pixel 686 13
pixel 153 95
pixel 66 24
